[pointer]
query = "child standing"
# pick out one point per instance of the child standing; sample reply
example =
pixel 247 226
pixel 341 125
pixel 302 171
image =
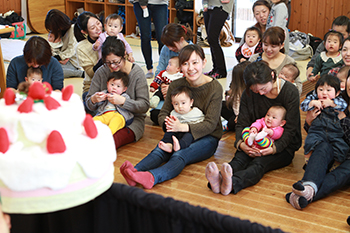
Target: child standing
pixel 326 127
pixel 267 129
pixel 278 15
pixel 182 101
pixel 230 107
pixel 113 27
pixel 115 116
pixel 289 73
pixel 330 58
pixel 252 45
pixel 171 73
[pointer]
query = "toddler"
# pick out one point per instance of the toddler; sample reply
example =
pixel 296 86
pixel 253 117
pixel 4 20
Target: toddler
pixel 171 73
pixel 289 72
pixel 330 58
pixel 182 101
pixel 278 14
pixel 264 131
pixel 115 116
pixel 252 45
pixel 113 27
pixel 326 126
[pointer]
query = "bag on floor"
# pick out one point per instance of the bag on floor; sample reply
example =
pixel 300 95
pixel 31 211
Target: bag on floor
pixel 20 31
pixel 299 46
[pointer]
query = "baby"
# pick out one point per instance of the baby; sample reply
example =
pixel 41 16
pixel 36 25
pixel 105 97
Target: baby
pixel 330 58
pixel 264 131
pixel 252 45
pixel 182 101
pixel 34 75
pixel 326 127
pixel 171 73
pixel 289 72
pixel 113 27
pixel 115 116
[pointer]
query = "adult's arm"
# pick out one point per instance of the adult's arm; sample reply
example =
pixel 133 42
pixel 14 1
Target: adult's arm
pixel 69 43
pixel 163 60
pixel 85 62
pixel 56 74
pixel 95 87
pixel 281 16
pixel 320 48
pixel 317 66
pixel 239 55
pixel 12 79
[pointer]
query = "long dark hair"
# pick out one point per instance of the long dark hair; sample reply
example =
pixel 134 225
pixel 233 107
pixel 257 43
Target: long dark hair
pixel 113 45
pixel 173 32
pixel 57 23
pixel 81 24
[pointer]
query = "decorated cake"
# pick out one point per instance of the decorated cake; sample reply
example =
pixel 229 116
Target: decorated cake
pixel 52 155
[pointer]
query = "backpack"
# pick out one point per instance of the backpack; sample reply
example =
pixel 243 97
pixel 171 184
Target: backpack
pixel 299 46
pixel 314 42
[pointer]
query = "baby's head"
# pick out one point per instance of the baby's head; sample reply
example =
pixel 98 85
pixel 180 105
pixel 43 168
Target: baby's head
pixel 333 41
pixel 34 75
pixel 342 76
pixel 252 36
pixel 275 116
pixel 173 65
pixel 327 87
pixel 113 24
pixel 289 72
pixel 117 82
pixel 182 99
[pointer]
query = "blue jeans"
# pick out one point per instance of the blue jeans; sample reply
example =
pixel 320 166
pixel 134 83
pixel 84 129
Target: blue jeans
pixel 175 162
pixel 318 166
pixel 159 14
pixel 334 180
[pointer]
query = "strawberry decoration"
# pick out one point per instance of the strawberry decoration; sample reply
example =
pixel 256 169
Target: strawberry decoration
pixel 4 141
pixel 51 103
pixel 90 127
pixel 26 106
pixel 36 91
pixel 55 143
pixel 67 92
pixel 47 88
pixel 9 96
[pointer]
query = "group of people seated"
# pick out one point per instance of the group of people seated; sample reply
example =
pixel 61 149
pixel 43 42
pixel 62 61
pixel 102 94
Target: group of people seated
pixel 262 105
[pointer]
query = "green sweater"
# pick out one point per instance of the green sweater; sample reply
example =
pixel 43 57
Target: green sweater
pixel 255 106
pixel 208 99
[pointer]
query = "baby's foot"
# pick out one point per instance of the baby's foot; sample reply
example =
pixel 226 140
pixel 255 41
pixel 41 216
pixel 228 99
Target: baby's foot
pixel 251 139
pixel 213 176
pixel 226 184
pixel 167 147
pixel 260 135
pixel 176 144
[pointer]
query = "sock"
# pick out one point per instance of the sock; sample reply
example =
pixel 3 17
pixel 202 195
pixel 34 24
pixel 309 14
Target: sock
pixel 146 179
pixel 260 135
pixel 127 165
pixel 154 101
pixel 348 220
pixel 298 202
pixel 226 184
pixel 213 176
pixel 306 191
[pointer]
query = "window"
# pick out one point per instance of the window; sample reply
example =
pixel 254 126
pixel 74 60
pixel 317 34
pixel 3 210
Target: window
pixel 243 16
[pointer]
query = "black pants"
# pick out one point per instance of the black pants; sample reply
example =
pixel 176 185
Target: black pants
pixel 229 115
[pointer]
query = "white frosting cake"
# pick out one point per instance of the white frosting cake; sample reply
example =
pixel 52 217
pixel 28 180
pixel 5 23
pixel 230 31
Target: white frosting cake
pixel 53 159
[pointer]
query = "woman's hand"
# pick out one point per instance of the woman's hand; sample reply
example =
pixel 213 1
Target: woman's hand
pixel 341 115
pixel 311 115
pixel 164 89
pixel 266 151
pixel 116 99
pixel 173 125
pixel 251 151
pixel 63 62
pixel 98 97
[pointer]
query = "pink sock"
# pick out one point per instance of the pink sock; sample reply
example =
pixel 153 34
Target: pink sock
pixel 213 176
pixel 127 165
pixel 146 179
pixel 226 184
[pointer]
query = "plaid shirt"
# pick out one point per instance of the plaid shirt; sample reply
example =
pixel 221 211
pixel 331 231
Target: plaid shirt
pixel 338 101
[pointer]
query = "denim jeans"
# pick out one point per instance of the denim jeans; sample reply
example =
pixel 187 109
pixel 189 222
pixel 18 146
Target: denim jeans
pixel 248 171
pixel 318 166
pixel 175 162
pixel 334 180
pixel 214 20
pixel 159 14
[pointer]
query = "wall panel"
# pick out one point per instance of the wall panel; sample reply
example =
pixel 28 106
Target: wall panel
pixel 6 5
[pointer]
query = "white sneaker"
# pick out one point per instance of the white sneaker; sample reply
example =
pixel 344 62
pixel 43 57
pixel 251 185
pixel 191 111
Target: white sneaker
pixel 154 101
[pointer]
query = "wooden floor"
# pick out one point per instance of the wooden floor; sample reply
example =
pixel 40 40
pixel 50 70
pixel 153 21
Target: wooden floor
pixel 263 203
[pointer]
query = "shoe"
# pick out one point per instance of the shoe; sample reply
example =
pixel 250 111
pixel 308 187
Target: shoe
pixel 210 73
pixel 217 76
pixel 149 75
pixel 154 101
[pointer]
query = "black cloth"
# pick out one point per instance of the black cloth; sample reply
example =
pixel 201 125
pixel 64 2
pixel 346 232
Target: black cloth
pixel 128 209
pixel 229 115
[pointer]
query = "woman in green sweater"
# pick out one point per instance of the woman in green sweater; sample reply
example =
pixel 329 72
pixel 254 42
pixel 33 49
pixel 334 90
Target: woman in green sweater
pixel 207 96
pixel 249 164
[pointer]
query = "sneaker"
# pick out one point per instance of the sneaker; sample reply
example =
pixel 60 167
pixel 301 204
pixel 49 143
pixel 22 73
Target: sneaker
pixel 217 76
pixel 210 73
pixel 154 101
pixel 149 75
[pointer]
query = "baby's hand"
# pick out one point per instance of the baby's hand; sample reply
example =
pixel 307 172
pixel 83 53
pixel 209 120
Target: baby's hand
pixel 253 130
pixel 242 59
pixel 327 103
pixel 268 131
pixel 152 89
pixel 316 103
pixel 131 58
pixel 97 44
